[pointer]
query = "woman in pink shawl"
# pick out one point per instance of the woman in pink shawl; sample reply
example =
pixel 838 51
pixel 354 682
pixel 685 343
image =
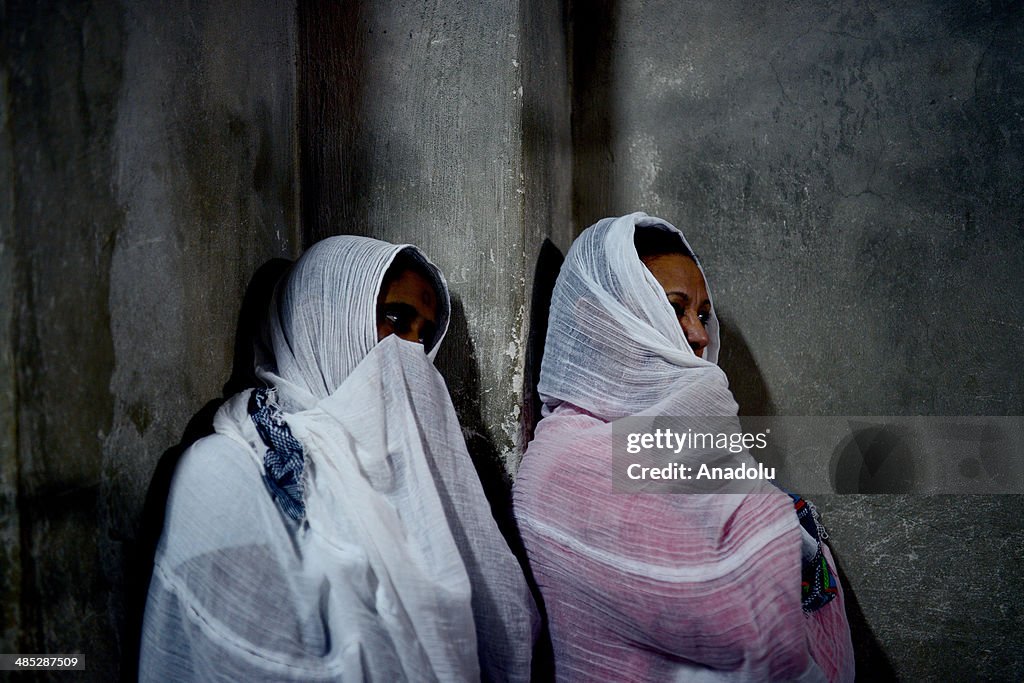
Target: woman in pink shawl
pixel 648 586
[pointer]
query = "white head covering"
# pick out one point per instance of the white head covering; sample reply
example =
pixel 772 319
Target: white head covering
pixel 323 321
pixel 397 571
pixel 614 346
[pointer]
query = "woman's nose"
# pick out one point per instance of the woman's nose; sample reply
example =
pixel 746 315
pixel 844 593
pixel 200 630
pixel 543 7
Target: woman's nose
pixel 413 333
pixel 696 334
pixel 418 331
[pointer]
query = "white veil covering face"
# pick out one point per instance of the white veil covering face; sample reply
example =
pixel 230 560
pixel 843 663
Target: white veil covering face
pixel 649 586
pixel 324 321
pixel 397 570
pixel 614 346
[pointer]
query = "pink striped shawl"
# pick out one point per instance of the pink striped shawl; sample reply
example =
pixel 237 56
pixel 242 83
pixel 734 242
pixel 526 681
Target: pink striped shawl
pixel 652 587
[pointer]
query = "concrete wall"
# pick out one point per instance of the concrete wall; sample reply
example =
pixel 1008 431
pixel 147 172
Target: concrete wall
pixel 10 542
pixel 153 156
pixel 851 175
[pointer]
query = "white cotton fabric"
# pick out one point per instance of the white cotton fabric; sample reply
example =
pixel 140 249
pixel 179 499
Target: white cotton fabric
pixel 647 586
pixel 614 345
pixel 398 572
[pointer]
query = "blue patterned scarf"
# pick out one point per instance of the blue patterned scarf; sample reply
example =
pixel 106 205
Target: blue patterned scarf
pixel 284 460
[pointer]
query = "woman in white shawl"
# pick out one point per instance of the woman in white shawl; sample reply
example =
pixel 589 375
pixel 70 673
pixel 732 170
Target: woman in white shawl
pixel 333 527
pixel 656 586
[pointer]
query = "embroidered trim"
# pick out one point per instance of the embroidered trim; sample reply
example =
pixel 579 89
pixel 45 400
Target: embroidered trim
pixel 284 459
pixel 818 584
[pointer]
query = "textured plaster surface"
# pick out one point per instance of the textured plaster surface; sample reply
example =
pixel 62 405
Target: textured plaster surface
pixel 64 76
pixel 153 155
pixel 10 542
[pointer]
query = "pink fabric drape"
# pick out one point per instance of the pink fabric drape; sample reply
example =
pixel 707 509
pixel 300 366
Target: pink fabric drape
pixel 653 587
pixel 644 586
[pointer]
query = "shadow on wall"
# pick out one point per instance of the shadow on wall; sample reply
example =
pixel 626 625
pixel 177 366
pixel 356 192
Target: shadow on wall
pixel 549 264
pixel 457 362
pixel 752 394
pixel 745 379
pixel 592 29
pixel 870 460
pixel 871 661
pixel 139 559
pixel 333 165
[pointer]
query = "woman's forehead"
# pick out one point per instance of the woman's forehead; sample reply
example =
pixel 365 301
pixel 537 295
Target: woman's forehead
pixel 410 286
pixel 676 270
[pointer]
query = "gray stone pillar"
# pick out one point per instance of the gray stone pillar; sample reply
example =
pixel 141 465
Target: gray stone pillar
pixel 446 124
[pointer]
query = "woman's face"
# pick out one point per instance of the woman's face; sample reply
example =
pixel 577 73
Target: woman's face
pixel 407 307
pixel 684 285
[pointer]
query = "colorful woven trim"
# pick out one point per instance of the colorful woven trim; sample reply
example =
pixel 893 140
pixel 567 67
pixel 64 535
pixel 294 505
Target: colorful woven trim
pixel 817 582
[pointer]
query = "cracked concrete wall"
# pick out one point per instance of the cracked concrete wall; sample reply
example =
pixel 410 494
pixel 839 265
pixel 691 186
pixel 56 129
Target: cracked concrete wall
pixel 148 153
pixel 851 175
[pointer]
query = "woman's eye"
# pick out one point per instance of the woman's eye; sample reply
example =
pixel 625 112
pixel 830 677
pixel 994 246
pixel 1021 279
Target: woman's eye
pixel 705 318
pixel 399 319
pixel 427 335
pixel 680 311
